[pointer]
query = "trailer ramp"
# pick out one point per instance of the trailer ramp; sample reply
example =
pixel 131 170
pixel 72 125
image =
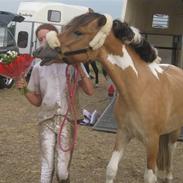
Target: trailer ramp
pixel 106 121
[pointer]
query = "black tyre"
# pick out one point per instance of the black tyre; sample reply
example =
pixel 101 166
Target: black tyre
pixel 6 82
pixel 1 82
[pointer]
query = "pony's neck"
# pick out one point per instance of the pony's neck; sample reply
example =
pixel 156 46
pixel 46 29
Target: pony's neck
pixel 113 45
pixel 130 73
pixel 121 69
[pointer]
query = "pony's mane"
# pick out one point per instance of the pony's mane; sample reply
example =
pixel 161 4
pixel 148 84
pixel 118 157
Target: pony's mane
pixel 142 47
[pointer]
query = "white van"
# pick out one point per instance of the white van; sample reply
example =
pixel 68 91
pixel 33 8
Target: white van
pixel 36 13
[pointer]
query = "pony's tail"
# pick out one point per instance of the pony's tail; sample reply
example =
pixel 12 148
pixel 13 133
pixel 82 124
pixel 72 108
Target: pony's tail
pixel 163 160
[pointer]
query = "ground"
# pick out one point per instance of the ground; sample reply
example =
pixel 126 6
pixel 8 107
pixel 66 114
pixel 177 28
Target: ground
pixel 19 147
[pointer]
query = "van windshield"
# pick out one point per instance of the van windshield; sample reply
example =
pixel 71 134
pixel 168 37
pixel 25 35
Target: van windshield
pixel 6 37
pixel 2 36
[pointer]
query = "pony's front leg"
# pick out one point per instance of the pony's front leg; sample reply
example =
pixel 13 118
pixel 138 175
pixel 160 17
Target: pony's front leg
pixel 152 147
pixel 121 141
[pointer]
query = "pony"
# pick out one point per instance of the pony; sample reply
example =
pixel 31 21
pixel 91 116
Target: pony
pixel 149 101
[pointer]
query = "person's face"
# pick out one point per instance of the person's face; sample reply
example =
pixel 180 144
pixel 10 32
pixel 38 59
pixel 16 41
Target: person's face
pixel 42 36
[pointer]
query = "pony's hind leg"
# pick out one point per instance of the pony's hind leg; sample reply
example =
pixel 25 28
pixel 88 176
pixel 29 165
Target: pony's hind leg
pixel 167 146
pixel 95 69
pixel 171 148
pixel 152 151
pixel 121 141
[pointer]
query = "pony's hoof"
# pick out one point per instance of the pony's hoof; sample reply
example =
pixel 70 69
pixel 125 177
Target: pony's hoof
pixel 168 181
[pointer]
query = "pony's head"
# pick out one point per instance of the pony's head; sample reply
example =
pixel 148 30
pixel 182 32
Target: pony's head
pixel 83 39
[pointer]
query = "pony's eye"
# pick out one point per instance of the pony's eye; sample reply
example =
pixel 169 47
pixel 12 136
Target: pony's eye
pixel 77 33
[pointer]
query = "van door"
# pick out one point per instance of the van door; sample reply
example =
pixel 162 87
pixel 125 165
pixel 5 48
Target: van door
pixel 24 36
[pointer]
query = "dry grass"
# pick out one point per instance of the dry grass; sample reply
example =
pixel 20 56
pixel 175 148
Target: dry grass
pixel 19 148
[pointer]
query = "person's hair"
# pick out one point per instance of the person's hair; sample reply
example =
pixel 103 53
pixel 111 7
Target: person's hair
pixel 46 26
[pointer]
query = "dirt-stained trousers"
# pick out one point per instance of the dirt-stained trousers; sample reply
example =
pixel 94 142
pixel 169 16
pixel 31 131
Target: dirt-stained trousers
pixel 51 154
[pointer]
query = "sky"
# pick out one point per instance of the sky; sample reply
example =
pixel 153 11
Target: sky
pixel 112 7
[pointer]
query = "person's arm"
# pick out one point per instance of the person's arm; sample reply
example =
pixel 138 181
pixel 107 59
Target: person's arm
pixel 85 82
pixel 32 97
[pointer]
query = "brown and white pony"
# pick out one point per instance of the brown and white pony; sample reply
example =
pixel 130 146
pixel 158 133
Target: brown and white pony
pixel 149 105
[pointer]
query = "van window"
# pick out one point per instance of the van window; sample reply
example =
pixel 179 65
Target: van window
pixel 10 39
pixel 22 39
pixel 6 38
pixel 54 16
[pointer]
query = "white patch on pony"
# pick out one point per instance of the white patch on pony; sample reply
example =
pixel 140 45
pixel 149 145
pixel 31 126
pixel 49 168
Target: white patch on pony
pixel 100 37
pixel 137 37
pixel 169 176
pixel 164 65
pixel 155 69
pixel 124 61
pixel 157 60
pixel 149 176
pixel 52 39
pixel 113 165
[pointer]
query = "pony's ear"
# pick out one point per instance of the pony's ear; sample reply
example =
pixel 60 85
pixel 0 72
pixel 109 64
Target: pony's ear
pixel 123 31
pixel 120 26
pixel 90 10
pixel 102 21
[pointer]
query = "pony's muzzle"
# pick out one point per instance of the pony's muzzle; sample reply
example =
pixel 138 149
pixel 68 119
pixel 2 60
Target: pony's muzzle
pixel 36 53
pixel 47 54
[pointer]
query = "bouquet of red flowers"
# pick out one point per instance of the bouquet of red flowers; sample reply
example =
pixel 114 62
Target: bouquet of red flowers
pixel 13 65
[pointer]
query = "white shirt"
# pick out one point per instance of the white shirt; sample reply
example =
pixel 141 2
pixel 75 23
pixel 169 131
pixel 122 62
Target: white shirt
pixel 50 83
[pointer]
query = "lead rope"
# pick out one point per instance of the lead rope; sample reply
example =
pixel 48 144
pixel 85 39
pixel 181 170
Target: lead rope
pixel 71 86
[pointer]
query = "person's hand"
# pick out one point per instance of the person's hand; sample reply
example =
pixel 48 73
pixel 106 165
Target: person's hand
pixel 21 83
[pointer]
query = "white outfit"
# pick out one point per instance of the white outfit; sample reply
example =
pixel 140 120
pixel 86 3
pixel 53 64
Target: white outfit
pixel 50 82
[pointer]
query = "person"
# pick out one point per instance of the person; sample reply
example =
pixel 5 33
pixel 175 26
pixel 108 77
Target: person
pixel 95 69
pixel 47 89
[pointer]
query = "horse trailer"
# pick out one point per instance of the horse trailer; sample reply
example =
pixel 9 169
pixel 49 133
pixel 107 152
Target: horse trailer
pixel 161 23
pixel 36 13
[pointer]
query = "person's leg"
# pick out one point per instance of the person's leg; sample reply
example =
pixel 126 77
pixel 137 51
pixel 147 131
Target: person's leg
pixel 64 158
pixel 86 65
pixel 47 143
pixel 95 69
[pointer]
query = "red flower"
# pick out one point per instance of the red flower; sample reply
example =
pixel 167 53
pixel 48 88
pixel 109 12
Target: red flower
pixel 18 67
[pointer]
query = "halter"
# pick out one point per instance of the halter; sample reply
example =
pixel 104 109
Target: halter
pixel 94 44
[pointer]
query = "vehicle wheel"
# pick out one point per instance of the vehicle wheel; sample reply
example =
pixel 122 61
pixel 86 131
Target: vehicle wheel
pixel 8 82
pixel 1 82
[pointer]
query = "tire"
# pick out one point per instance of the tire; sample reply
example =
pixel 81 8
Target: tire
pixel 1 82
pixel 6 82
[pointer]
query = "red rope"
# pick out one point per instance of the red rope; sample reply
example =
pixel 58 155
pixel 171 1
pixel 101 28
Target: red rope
pixel 71 86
